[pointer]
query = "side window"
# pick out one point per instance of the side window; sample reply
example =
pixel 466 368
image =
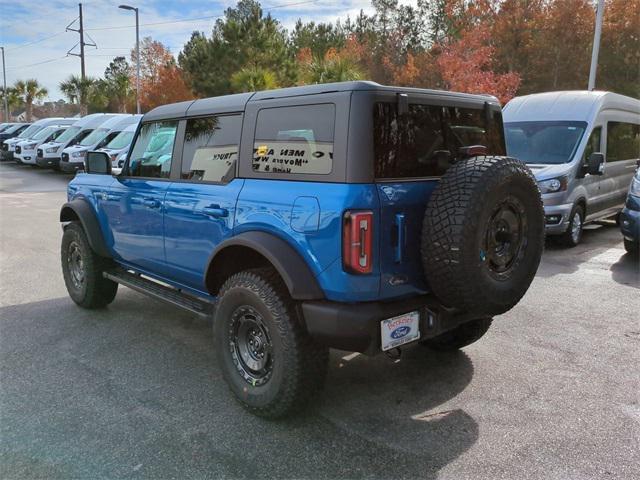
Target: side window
pixel 623 141
pixel 107 139
pixel 153 149
pixel 295 140
pixel 593 144
pixel 211 148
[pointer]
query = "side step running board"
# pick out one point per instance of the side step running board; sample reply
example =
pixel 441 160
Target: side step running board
pixel 199 306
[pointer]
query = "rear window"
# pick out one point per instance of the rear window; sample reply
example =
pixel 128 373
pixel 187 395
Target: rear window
pixel 295 140
pixel 427 139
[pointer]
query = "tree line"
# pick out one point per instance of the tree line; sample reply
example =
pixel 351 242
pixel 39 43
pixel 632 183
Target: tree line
pixel 501 47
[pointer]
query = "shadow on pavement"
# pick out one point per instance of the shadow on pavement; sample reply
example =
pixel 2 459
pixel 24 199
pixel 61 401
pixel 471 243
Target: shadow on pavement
pixel 627 271
pixel 135 391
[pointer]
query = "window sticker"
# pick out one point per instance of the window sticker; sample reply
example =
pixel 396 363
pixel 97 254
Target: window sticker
pixel 293 157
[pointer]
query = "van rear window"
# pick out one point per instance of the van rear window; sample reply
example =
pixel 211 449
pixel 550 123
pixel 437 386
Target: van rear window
pixel 427 139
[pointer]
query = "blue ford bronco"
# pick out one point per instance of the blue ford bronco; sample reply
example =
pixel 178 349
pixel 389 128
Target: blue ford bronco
pixel 351 215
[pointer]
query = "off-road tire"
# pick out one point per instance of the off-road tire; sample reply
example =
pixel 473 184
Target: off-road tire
pixel 299 365
pixel 459 337
pixel 94 291
pixel 571 238
pixel 459 217
pixel 632 248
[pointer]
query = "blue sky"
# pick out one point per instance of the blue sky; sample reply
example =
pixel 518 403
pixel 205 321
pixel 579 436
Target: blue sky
pixel 44 22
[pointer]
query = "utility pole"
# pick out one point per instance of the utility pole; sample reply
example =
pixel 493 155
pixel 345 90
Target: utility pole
pixel 4 92
pixel 82 43
pixel 81 30
pixel 596 45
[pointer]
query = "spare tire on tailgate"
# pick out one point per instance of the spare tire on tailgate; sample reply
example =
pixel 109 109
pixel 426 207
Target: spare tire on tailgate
pixel 483 235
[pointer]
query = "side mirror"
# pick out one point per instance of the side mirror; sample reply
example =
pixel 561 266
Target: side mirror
pixel 97 162
pixel 595 164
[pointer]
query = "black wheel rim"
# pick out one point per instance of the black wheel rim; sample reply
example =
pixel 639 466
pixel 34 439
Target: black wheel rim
pixel 505 238
pixel 76 265
pixel 250 345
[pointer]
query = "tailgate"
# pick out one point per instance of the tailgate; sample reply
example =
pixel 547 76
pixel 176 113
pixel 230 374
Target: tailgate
pixel 402 207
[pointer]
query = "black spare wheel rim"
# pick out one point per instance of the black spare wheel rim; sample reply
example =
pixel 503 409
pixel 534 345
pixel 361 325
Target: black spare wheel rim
pixel 76 265
pixel 250 345
pixel 505 238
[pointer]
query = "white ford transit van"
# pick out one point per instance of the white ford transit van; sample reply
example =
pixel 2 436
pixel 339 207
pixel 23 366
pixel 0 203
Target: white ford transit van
pixel 583 147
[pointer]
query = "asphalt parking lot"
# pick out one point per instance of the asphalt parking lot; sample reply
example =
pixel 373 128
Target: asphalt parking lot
pixel 134 391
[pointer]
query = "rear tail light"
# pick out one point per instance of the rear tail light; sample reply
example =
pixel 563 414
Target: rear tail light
pixel 357 242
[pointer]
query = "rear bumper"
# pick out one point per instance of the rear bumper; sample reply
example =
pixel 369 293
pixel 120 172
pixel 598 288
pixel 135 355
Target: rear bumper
pixel 356 326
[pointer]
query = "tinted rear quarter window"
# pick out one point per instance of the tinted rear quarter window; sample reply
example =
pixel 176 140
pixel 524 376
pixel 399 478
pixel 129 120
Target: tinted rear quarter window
pixel 295 140
pixel 426 140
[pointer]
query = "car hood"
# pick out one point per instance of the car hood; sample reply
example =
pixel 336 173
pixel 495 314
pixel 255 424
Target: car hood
pixel 77 148
pixel 544 171
pixel 110 151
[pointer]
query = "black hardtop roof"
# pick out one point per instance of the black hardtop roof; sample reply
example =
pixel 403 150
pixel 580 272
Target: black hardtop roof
pixel 237 102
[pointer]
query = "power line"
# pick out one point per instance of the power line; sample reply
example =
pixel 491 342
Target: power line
pixel 34 42
pixel 38 63
pixel 209 17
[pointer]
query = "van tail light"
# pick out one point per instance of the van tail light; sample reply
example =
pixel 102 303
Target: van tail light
pixel 357 242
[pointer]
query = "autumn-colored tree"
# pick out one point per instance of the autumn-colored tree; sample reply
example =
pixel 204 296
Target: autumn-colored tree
pixel 161 80
pixel 619 61
pixel 513 33
pixel 168 87
pixel 154 56
pixel 465 66
pixel 562 44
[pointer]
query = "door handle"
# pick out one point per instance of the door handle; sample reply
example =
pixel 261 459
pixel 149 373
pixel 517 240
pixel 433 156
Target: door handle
pixel 401 235
pixel 102 196
pixel 151 203
pixel 215 211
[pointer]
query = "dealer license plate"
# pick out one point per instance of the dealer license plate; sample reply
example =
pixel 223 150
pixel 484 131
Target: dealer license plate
pixel 399 330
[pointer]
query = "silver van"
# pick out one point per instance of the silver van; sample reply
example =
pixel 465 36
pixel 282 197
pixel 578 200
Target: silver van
pixel 583 147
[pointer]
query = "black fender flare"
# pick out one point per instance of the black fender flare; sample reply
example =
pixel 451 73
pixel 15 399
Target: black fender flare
pixel 81 210
pixel 297 275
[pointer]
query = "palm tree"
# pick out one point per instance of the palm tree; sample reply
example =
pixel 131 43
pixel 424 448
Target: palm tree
pixel 252 79
pixel 30 91
pixel 13 100
pixel 331 68
pixel 78 90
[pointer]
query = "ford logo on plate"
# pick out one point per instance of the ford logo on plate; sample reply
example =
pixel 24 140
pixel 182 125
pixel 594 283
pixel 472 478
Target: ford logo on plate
pixel 400 332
